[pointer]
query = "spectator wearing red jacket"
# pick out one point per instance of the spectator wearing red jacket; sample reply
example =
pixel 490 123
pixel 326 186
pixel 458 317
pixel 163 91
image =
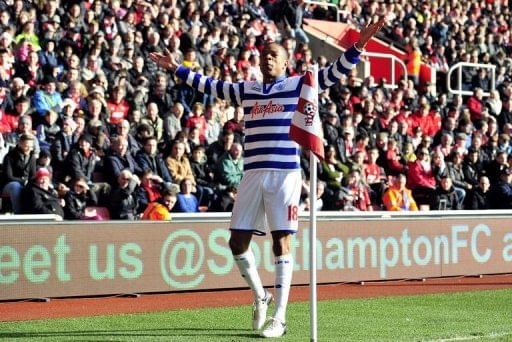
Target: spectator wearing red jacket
pixel 420 177
pixel 429 121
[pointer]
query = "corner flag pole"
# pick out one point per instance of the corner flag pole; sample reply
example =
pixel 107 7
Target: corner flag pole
pixel 312 246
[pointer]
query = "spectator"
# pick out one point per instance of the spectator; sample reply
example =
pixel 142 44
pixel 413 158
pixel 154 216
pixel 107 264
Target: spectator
pixel 172 122
pixel 397 197
pixel 219 149
pixel 178 164
pixel 160 210
pixel 47 97
pixel 39 197
pixel 123 200
pixel 153 120
pixel 358 196
pixel 501 192
pixel 479 198
pixel 456 172
pixel 420 178
pixel 81 160
pixel 149 159
pixel 77 201
pixel 232 166
pixel 187 202
pixel 445 197
pixel 119 159
pixel 19 167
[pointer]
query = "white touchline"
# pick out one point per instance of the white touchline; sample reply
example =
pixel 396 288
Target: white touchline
pixel 468 338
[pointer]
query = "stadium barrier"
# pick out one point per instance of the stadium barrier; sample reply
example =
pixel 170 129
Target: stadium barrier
pixel 60 259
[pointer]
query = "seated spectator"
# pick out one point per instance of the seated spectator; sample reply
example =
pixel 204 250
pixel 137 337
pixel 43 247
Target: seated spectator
pixel 81 160
pixel 48 129
pixel 420 178
pixel 333 170
pixel 501 192
pixel 187 202
pixel 24 127
pixel 39 197
pixel 358 198
pixel 218 149
pixel 178 164
pixel 232 166
pixel 225 200
pixel 479 197
pixel 319 204
pixel 77 199
pixel 123 200
pixel 153 119
pixel 18 168
pixel 160 210
pixel 47 97
pixel 397 197
pixel 203 175
pixel 456 172
pixel 149 159
pixel 445 197
pixel 118 159
pixel 149 190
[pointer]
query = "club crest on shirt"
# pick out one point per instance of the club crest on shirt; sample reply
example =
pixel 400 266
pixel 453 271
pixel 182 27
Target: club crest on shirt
pixel 266 109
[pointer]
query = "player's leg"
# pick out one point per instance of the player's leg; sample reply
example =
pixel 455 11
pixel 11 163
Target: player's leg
pixel 281 203
pixel 248 219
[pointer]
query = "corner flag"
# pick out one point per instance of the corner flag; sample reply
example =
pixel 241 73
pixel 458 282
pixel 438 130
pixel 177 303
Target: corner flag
pixel 306 126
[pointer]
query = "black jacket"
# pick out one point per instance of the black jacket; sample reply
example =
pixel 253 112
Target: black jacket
pixel 79 165
pixel 123 202
pixel 76 204
pixel 39 201
pixel 477 200
pixel 445 200
pixel 114 164
pixel 16 169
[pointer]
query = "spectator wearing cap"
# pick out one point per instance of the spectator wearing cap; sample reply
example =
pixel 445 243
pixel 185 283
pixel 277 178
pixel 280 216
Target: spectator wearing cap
pixel 47 55
pixel 444 196
pixel 47 98
pixel 501 191
pixel 39 197
pixel 19 167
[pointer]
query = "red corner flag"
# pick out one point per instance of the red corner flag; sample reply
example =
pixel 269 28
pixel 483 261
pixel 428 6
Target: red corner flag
pixel 306 127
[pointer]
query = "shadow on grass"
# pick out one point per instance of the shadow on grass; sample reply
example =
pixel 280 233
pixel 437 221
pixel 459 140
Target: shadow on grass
pixel 171 332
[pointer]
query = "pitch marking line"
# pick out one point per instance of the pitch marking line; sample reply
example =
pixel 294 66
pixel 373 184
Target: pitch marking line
pixel 468 338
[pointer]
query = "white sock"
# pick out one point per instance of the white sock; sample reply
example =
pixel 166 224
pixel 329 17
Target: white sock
pixel 247 266
pixel 284 271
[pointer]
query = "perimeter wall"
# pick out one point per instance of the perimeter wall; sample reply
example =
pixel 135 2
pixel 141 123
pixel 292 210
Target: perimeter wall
pixel 191 253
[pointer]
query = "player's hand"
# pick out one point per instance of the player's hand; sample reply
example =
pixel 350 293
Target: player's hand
pixel 164 60
pixel 369 31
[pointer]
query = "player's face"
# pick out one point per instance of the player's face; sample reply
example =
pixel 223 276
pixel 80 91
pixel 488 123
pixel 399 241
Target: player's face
pixel 273 62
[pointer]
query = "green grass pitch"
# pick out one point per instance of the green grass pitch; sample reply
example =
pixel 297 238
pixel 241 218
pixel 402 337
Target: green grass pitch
pixel 466 316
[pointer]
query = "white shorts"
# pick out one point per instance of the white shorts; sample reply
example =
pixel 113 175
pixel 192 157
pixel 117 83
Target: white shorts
pixel 267 199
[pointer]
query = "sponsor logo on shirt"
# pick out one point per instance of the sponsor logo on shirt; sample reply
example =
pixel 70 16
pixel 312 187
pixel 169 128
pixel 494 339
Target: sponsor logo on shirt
pixel 263 110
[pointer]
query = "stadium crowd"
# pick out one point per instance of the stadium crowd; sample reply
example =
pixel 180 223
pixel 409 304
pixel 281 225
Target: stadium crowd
pixel 91 128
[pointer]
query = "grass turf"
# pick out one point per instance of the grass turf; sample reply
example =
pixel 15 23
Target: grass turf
pixel 476 316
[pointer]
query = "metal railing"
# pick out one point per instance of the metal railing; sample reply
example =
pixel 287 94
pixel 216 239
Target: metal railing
pixel 394 59
pixel 458 67
pixel 328 4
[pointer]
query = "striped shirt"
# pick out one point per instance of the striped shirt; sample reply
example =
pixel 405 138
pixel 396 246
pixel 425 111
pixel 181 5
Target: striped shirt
pixel 268 110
